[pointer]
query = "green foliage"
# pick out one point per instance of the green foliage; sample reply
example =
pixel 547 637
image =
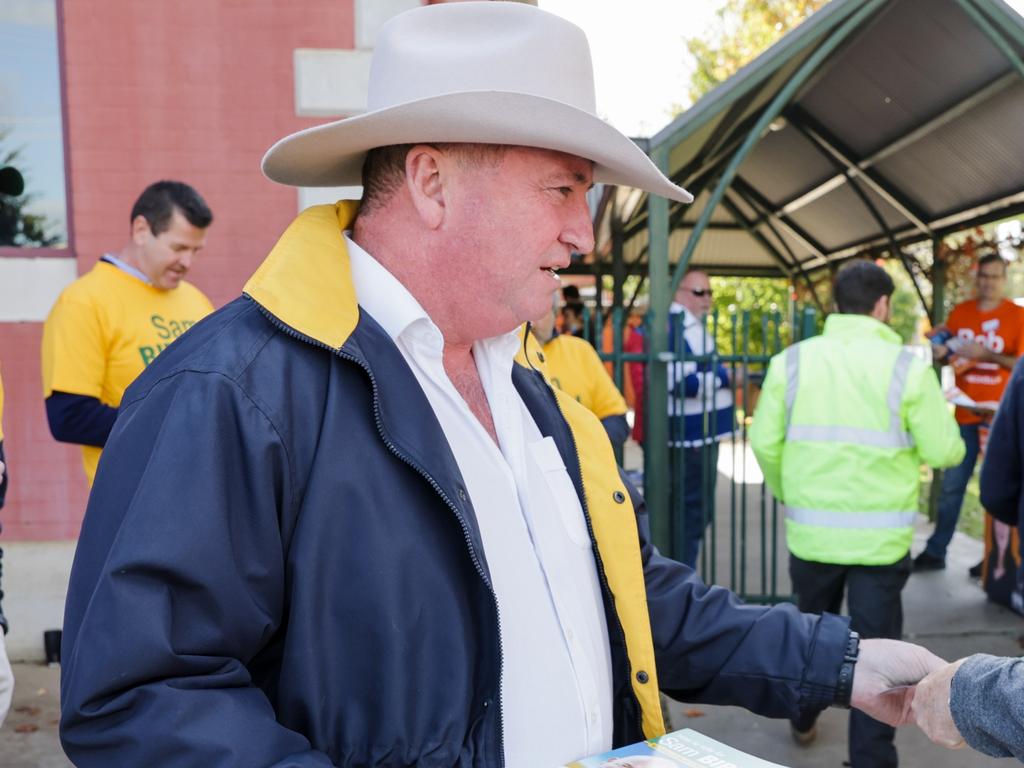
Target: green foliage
pixel 743 29
pixel 906 310
pixel 18 227
pixel 972 513
pixel 764 301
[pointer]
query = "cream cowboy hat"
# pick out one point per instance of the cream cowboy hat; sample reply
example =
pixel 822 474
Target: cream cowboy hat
pixel 481 72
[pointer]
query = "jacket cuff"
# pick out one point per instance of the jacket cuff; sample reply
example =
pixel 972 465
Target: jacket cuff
pixel 825 657
pixel 983 699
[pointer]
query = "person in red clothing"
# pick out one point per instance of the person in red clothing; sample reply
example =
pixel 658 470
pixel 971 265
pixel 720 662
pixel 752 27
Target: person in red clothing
pixel 987 338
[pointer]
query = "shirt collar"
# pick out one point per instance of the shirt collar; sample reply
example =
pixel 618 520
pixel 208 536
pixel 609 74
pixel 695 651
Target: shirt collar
pixel 675 308
pixel 382 294
pixel 842 324
pixel 124 266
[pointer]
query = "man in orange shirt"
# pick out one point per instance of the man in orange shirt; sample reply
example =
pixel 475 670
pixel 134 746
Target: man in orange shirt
pixel 988 337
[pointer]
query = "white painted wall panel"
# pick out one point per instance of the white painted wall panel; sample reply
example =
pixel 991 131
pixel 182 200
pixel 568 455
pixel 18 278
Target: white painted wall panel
pixel 371 14
pixel 319 195
pixel 330 83
pixel 29 286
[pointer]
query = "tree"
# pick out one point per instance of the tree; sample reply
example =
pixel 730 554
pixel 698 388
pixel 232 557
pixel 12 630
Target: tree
pixel 19 227
pixel 765 303
pixel 743 29
pixel 905 312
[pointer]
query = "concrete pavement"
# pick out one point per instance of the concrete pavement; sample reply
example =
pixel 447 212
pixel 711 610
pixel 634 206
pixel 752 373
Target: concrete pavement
pixel 945 611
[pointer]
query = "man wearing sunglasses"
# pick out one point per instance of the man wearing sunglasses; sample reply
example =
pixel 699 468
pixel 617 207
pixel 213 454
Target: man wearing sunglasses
pixel 699 408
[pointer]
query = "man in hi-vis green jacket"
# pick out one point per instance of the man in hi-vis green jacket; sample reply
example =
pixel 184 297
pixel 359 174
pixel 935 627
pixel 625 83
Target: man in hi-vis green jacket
pixel 843 424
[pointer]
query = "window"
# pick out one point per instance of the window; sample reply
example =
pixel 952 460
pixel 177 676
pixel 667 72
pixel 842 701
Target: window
pixel 31 128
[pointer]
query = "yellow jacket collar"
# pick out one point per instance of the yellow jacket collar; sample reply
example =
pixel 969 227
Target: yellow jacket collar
pixel 306 281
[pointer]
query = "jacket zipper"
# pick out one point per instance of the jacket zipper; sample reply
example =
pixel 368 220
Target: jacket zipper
pixel 433 484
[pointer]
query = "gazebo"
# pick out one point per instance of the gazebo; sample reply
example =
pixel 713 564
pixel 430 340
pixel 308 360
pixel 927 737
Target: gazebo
pixel 874 125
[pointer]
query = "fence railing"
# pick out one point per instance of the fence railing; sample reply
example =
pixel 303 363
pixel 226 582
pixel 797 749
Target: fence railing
pixel 743 544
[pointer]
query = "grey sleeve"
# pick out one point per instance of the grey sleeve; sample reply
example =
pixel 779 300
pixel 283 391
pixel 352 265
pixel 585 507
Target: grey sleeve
pixel 987 703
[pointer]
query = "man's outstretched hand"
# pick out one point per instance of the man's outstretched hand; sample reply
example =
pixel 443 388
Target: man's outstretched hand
pixel 885 676
pixel 931 707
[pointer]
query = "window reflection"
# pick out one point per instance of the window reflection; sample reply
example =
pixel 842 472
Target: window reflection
pixel 31 131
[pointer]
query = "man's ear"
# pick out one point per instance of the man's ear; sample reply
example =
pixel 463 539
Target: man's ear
pixel 425 168
pixel 881 309
pixel 140 230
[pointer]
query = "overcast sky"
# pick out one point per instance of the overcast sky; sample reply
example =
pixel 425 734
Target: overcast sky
pixel 640 62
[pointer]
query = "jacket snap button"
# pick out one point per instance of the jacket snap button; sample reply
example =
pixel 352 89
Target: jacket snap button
pixel 619 497
pixel 462 494
pixel 641 677
pixel 487 703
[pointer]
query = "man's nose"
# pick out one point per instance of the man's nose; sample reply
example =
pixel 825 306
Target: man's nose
pixel 579 229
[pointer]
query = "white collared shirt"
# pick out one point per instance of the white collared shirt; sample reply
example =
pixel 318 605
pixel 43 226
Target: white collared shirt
pixel 556 681
pixel 715 395
pixel 124 266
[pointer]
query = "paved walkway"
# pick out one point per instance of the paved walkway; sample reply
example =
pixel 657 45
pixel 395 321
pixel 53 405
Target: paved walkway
pixel 946 612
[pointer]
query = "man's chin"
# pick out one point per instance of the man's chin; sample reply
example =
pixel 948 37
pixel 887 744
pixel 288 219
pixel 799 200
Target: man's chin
pixel 170 282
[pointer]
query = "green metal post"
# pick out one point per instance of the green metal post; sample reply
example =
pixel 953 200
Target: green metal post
pixel 992 34
pixel 808 323
pixel 656 476
pixel 618 294
pixel 770 113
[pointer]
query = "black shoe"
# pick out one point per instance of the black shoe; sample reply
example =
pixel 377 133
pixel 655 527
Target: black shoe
pixel 975 570
pixel 804 738
pixel 926 562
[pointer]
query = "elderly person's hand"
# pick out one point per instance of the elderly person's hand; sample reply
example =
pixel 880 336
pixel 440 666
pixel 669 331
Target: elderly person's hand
pixel 931 707
pixel 884 678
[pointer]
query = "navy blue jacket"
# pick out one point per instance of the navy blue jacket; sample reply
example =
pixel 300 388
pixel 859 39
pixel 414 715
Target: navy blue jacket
pixel 280 566
pixel 1001 472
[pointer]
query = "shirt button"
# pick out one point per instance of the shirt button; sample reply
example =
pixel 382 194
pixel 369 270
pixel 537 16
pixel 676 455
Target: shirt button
pixel 540 356
pixel 619 497
pixel 641 677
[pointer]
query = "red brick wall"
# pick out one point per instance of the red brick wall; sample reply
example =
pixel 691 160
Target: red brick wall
pixel 47 491
pixel 186 89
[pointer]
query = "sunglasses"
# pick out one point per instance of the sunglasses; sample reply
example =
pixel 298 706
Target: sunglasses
pixel 700 292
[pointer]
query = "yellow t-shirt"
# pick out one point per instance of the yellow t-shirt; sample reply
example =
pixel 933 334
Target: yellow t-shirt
pixel 105 328
pixel 573 365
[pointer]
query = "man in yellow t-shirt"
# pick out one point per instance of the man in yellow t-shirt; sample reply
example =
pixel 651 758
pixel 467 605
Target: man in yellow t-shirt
pixel 573 365
pixel 108 325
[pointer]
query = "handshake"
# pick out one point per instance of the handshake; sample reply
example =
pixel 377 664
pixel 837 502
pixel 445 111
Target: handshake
pixel 900 683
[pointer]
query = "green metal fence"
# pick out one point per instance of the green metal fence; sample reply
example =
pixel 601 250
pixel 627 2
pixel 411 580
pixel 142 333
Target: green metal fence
pixel 743 546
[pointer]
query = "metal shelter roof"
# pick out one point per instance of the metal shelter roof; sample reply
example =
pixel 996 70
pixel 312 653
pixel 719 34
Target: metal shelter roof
pixel 873 124
pixel 909 125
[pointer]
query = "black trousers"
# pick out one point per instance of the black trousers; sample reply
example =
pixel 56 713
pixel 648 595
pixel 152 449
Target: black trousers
pixel 876 610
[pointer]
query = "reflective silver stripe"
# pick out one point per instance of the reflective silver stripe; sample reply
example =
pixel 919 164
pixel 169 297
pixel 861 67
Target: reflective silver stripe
pixel 792 379
pixel 897 384
pixel 895 437
pixel 854 435
pixel 827 518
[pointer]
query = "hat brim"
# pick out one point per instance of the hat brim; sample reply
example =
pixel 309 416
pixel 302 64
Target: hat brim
pixel 332 154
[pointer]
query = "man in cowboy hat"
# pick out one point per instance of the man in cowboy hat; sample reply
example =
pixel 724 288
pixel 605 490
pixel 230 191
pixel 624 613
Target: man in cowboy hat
pixel 394 546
